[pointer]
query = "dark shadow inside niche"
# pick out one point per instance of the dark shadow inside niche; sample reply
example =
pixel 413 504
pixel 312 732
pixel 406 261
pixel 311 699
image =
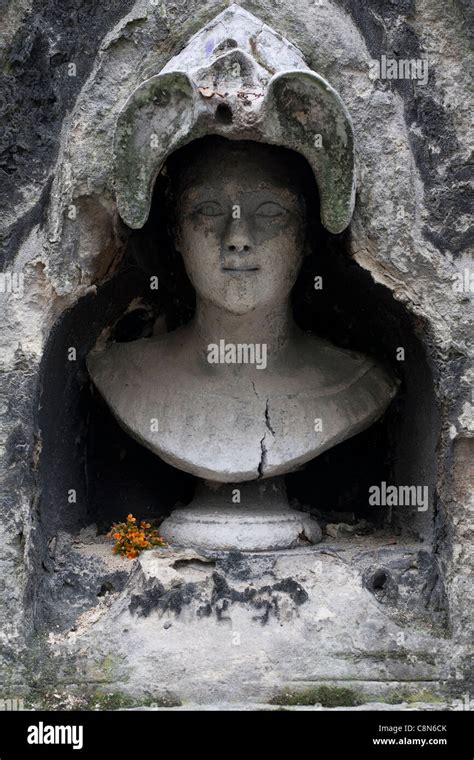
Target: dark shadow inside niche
pixel 83 447
pixel 124 477
pixel 354 312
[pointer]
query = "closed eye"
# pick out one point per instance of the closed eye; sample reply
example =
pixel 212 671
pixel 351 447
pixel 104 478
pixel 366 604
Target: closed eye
pixel 210 208
pixel 270 210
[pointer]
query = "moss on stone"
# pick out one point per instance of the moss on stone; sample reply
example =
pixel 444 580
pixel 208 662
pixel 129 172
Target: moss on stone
pixel 119 701
pixel 110 701
pixel 424 695
pixel 98 701
pixel 327 696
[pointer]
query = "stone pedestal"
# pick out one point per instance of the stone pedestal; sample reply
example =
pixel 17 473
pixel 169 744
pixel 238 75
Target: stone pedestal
pixel 194 628
pixel 246 517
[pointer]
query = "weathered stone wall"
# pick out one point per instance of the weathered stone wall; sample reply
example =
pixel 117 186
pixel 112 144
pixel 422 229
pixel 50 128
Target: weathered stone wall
pixel 68 68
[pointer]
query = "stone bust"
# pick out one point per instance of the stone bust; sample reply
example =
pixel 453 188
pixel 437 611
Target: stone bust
pixel 240 393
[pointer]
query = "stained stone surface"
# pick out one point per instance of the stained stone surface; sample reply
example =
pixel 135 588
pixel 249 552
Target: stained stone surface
pixel 410 233
pixel 255 706
pixel 204 627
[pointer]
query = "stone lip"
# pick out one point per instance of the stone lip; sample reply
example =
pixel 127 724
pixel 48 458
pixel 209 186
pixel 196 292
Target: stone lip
pixel 265 707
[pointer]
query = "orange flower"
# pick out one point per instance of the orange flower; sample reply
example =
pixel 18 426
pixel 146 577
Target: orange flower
pixel 131 539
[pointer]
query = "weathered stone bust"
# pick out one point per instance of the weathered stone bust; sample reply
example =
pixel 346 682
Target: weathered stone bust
pixel 240 393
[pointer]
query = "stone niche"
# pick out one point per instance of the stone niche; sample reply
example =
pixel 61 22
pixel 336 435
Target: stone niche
pixel 381 605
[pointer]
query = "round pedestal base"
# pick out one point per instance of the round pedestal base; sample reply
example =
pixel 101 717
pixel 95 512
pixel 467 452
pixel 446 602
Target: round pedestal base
pixel 262 521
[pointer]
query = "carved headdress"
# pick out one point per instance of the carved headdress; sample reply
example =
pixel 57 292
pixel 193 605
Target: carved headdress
pixel 239 79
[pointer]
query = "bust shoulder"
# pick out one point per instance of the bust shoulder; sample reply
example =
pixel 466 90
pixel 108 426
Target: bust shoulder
pixel 215 425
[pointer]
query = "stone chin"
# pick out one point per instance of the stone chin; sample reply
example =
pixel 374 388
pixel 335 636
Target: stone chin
pixel 235 302
pixel 244 292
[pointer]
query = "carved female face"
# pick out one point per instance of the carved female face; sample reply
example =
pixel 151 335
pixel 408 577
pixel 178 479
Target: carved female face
pixel 241 226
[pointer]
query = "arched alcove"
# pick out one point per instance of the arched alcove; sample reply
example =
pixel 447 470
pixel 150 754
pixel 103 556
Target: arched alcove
pixel 86 452
pixel 378 597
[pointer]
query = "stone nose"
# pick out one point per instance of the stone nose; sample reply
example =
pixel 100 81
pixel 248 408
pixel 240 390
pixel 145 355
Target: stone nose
pixel 237 238
pixel 242 248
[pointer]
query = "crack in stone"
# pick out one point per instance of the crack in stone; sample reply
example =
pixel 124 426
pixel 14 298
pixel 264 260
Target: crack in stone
pixel 263 448
pixel 263 457
pixel 267 419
